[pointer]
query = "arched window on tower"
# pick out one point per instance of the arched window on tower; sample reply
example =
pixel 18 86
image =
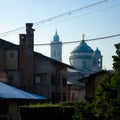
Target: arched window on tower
pixel 99 62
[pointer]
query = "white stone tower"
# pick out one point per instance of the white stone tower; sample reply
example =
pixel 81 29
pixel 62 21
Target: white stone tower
pixel 56 48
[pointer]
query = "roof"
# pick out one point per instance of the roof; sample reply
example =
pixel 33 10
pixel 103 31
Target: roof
pixel 83 48
pixel 97 52
pixel 54 60
pixel 7 44
pixel 95 74
pixel 10 92
pixel 70 83
pixel 56 37
pixel 10 45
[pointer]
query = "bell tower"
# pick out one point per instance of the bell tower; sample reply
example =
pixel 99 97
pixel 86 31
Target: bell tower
pixel 97 60
pixel 56 48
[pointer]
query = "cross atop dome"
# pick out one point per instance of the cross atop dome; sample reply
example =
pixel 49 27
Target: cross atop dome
pixel 83 36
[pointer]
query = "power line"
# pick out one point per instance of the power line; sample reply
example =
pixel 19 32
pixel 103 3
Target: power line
pixel 70 12
pixel 78 41
pixel 80 15
pixel 55 17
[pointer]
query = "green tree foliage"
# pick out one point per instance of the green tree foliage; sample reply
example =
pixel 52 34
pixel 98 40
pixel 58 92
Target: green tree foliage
pixel 78 112
pixel 107 100
pixel 116 66
pixel 105 97
pixel 83 111
pixel 116 59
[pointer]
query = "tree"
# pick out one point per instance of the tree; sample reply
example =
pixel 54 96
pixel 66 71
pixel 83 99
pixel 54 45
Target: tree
pixel 105 95
pixel 116 58
pixel 107 100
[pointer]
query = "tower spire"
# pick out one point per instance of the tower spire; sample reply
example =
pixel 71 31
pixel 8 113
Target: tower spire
pixel 83 36
pixel 56 32
pixel 56 37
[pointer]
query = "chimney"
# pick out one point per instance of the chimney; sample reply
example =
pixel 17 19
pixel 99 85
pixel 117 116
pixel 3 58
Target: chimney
pixel 26 57
pixel 29 30
pixel 27 40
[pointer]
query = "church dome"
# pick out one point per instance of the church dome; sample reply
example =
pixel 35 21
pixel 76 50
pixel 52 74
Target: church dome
pixel 83 48
pixel 97 52
pixel 56 37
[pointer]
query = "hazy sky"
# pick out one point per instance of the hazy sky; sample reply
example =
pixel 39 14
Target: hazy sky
pixel 94 20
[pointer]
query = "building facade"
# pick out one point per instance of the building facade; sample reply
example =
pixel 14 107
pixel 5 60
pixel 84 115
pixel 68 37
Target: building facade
pixel 20 66
pixel 11 98
pixel 92 82
pixel 56 48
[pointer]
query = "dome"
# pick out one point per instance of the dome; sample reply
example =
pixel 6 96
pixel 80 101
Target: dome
pixel 97 52
pixel 83 48
pixel 56 37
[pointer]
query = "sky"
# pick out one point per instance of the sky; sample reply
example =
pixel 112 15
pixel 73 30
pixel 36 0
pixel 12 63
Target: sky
pixel 71 18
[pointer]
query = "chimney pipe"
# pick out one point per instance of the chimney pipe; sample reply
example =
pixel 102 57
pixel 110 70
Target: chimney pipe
pixel 29 29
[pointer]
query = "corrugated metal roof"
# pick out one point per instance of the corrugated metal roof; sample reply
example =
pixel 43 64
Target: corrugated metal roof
pixel 10 92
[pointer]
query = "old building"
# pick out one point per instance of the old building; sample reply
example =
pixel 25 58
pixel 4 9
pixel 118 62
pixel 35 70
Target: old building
pixel 76 89
pixel 24 68
pixel 91 83
pixel 11 98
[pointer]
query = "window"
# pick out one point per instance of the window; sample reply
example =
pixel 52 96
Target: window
pixel 39 77
pixel 99 62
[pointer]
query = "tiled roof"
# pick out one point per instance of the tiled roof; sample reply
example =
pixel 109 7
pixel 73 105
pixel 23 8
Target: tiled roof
pixel 10 92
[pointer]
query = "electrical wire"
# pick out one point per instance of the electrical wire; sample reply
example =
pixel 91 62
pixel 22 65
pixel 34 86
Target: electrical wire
pixel 55 17
pixel 78 41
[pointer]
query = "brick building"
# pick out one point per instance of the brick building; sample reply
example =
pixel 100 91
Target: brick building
pixel 20 66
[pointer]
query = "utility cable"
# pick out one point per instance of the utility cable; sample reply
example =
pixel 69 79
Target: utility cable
pixel 78 41
pixel 55 17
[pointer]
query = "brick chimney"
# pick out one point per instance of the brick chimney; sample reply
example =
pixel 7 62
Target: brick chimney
pixel 26 57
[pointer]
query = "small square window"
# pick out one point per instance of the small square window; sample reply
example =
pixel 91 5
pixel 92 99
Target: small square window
pixel 37 79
